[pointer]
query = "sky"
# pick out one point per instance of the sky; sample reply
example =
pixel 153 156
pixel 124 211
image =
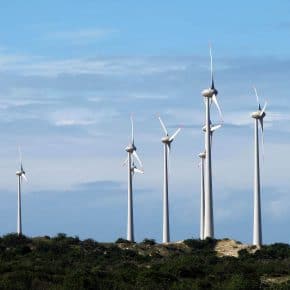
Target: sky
pixel 72 73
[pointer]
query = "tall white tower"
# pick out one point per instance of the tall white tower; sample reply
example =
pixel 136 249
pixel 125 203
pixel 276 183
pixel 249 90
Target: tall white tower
pixel 132 169
pixel 210 95
pixel 20 175
pixel 202 160
pixel 258 117
pixel 166 140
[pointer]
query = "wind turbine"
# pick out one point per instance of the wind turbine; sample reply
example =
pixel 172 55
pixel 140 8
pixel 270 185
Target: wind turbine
pixel 258 117
pixel 132 169
pixel 20 175
pixel 210 95
pixel 167 140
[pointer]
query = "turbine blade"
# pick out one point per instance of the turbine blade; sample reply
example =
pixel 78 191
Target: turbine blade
pixel 163 126
pixel 138 159
pixel 132 130
pixel 125 162
pixel 262 132
pixel 169 147
pixel 257 97
pixel 24 177
pixel 214 128
pixel 211 67
pixel 136 170
pixel 214 99
pixel 20 156
pixel 175 134
pixel 264 108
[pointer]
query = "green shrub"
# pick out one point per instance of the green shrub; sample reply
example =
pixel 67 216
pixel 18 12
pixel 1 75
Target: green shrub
pixel 123 241
pixel 150 242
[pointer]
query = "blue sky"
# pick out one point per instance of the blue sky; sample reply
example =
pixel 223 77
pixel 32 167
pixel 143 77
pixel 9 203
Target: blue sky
pixel 72 72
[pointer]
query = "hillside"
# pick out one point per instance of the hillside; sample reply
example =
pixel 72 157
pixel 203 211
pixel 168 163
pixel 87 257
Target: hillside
pixel 63 262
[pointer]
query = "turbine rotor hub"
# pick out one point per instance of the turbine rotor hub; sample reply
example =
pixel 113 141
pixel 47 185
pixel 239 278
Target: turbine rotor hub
pixel 201 155
pixel 166 140
pixel 210 126
pixel 257 115
pixel 208 93
pixel 130 148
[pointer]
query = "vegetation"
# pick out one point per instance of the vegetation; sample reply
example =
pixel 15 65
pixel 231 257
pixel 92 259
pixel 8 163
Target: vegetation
pixel 64 262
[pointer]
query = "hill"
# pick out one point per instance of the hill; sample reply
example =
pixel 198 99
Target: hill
pixel 63 262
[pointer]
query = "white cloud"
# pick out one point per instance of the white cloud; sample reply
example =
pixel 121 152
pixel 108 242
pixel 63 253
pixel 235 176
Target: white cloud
pixel 79 117
pixel 38 66
pixel 6 104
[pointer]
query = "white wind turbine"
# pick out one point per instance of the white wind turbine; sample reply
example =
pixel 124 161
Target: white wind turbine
pixel 132 169
pixel 167 140
pixel 20 175
pixel 210 95
pixel 258 116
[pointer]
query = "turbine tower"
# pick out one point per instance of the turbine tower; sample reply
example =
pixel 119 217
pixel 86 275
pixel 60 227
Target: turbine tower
pixel 258 117
pixel 210 95
pixel 20 174
pixel 167 140
pixel 132 169
pixel 201 165
pixel 202 156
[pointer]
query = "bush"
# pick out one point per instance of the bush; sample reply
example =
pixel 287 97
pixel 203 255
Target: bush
pixel 208 244
pixel 123 241
pixel 150 242
pixel 66 262
pixel 275 251
pixel 14 239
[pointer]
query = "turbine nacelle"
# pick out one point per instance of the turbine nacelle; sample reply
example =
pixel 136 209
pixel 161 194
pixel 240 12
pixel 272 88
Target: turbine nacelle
pixel 131 148
pixel 258 115
pixel 19 173
pixel 166 140
pixel 208 93
pixel 201 155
